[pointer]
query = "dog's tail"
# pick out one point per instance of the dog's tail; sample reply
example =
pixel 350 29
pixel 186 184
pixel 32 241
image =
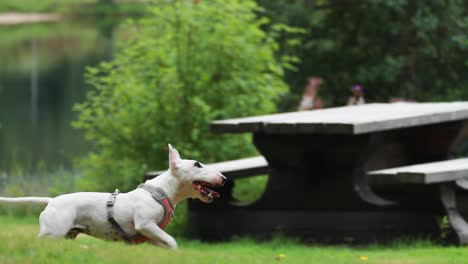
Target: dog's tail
pixel 26 200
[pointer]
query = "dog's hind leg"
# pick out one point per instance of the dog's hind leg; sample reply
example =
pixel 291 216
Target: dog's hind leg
pixel 75 231
pixel 56 223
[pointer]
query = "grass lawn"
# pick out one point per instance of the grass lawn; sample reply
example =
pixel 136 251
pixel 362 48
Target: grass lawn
pixel 18 244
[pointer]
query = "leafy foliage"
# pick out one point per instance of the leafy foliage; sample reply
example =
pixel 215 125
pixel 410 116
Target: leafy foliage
pixel 395 48
pixel 188 63
pixel 249 189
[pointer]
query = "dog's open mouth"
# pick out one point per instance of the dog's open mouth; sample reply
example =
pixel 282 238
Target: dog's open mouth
pixel 203 188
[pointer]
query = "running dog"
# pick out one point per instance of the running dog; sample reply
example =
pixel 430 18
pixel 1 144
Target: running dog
pixel 137 216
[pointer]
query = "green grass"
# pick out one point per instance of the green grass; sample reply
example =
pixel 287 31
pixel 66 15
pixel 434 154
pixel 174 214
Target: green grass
pixel 18 244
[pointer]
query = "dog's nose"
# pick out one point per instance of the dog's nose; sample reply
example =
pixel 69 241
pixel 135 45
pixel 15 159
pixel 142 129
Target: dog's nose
pixel 223 179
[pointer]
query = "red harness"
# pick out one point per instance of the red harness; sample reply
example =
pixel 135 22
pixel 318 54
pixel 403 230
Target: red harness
pixel 160 196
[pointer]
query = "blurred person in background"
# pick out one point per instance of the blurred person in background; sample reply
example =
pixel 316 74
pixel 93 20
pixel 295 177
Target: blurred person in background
pixel 358 96
pixel 310 100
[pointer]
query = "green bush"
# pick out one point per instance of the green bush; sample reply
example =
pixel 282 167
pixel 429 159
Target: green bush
pixel 183 66
pixel 250 189
pixel 186 64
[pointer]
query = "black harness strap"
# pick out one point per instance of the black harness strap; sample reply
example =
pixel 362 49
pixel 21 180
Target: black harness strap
pixel 110 215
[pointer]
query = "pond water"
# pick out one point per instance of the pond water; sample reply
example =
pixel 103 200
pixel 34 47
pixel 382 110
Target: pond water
pixel 41 78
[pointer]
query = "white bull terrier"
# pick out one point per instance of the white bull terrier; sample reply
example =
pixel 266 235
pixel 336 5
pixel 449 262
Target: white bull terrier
pixel 135 213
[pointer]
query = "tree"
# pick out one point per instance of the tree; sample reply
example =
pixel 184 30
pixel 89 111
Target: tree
pixel 186 64
pixel 395 48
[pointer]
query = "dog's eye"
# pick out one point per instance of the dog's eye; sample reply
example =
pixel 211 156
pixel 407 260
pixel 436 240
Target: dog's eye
pixel 197 164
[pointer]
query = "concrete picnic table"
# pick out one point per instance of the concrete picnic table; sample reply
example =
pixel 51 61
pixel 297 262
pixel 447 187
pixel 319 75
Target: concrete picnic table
pixel 318 188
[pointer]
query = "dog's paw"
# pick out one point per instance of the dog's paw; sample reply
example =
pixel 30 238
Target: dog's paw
pixel 171 243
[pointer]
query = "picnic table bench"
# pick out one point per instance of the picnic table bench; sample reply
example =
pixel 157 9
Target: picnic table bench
pixel 234 169
pixel 318 186
pixel 447 174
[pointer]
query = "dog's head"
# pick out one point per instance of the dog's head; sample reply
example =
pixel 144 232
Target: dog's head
pixel 196 178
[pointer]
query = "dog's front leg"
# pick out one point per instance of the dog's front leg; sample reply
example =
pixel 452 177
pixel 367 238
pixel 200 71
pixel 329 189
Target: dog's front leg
pixel 156 235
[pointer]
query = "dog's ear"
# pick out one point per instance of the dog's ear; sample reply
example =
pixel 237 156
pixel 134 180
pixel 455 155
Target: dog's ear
pixel 174 159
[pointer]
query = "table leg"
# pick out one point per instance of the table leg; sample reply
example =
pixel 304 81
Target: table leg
pixel 361 181
pixel 458 223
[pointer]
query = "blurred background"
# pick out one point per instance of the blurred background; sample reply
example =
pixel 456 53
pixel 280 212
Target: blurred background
pixel 42 69
pixel 171 67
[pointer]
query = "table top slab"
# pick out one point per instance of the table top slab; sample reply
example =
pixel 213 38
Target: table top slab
pixel 349 120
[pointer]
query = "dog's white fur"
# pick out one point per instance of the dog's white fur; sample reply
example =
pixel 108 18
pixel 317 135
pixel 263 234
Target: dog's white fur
pixel 135 211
